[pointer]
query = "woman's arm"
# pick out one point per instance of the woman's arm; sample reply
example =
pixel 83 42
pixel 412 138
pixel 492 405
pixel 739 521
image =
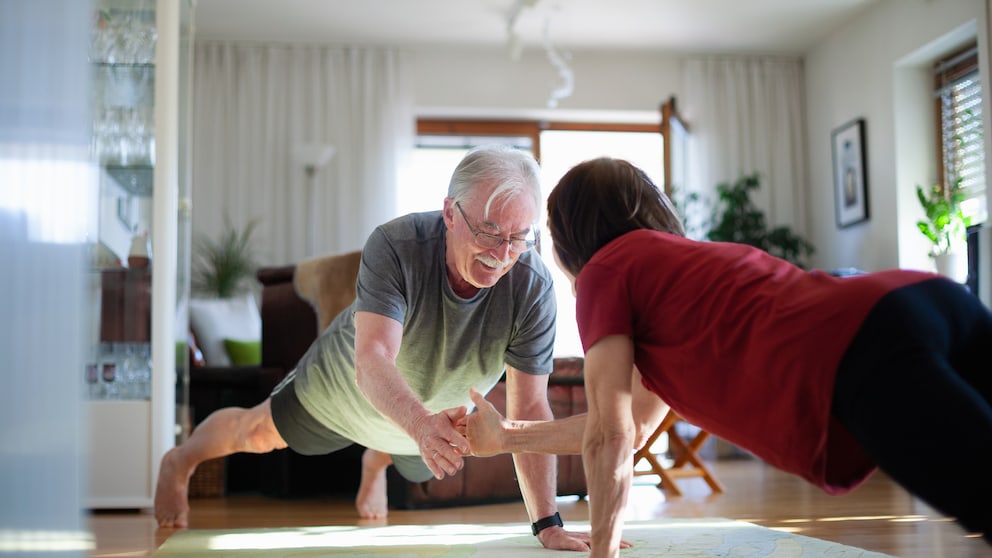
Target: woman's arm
pixel 608 441
pixel 489 433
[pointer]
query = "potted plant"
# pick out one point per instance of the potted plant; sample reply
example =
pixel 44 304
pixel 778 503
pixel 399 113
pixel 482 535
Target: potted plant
pixel 945 226
pixel 737 219
pixel 224 318
pixel 222 267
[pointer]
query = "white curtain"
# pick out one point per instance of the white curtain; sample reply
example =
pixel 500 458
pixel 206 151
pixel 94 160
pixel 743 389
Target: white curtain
pixel 747 115
pixel 253 104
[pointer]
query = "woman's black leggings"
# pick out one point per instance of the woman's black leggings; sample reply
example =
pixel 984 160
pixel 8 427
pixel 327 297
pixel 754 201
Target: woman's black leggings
pixel 915 389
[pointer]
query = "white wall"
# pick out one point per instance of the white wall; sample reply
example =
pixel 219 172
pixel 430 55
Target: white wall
pixel 619 86
pixel 877 68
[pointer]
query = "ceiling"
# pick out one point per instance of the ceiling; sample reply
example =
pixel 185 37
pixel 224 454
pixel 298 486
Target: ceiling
pixel 741 26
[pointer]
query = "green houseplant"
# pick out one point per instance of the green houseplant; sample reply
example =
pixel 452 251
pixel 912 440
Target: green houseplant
pixel 944 224
pixel 737 219
pixel 222 267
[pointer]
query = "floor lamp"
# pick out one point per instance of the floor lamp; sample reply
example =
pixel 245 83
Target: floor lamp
pixel 312 156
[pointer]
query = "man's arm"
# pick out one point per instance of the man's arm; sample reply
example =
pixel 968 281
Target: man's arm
pixel 377 342
pixel 607 445
pixel 527 399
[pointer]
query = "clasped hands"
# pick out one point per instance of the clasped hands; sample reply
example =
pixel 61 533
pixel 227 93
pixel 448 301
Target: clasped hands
pixel 446 436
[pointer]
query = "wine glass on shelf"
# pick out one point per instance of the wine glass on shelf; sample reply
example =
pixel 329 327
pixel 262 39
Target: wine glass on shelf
pixel 126 371
pixel 109 376
pixel 144 375
pixel 93 388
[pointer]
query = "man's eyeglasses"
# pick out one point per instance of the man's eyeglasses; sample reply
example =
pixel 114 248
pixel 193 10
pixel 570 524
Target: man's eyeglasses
pixel 492 241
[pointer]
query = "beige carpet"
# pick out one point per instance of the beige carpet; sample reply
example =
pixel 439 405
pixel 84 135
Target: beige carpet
pixel 676 538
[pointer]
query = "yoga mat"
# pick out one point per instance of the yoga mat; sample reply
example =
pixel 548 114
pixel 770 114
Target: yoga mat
pixel 671 538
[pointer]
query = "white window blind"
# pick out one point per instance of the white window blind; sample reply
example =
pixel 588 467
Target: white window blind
pixel 959 94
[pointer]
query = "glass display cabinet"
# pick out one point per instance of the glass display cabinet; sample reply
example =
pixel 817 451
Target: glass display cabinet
pixel 135 376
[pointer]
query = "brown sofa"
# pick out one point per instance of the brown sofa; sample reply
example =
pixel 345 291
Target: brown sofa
pixel 289 325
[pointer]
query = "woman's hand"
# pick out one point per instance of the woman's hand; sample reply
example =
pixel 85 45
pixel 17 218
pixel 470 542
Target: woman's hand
pixel 484 429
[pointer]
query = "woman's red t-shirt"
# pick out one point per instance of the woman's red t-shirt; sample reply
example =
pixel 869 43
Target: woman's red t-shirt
pixel 741 344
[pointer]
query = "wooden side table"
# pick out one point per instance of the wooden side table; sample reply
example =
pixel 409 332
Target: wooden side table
pixel 687 462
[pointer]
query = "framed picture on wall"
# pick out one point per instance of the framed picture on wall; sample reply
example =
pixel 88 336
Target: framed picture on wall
pixel 850 174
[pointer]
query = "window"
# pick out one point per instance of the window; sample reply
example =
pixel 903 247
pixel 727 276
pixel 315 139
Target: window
pixel 441 144
pixel 961 160
pixel 961 149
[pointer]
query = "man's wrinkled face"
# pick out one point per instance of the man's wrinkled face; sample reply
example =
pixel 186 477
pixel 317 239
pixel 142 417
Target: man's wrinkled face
pixel 472 263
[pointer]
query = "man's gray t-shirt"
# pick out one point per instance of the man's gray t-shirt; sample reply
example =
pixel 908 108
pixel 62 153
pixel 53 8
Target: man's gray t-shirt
pixel 449 344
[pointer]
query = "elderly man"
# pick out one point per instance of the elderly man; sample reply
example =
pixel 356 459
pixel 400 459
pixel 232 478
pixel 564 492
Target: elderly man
pixel 444 301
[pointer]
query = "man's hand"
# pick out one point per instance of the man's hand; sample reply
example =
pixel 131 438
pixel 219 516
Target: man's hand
pixel 557 538
pixel 441 445
pixel 484 428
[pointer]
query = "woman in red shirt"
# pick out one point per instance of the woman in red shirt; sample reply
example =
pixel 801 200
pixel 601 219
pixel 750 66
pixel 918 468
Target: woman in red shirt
pixel 821 376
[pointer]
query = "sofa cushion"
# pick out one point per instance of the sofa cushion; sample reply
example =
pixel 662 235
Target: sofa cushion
pixel 244 353
pixel 215 319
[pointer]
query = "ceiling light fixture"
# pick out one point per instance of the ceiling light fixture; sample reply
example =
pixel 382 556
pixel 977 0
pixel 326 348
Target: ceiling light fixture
pixel 557 59
pixel 514 46
pixel 564 70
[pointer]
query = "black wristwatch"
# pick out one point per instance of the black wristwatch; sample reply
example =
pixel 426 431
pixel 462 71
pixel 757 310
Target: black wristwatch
pixel 545 522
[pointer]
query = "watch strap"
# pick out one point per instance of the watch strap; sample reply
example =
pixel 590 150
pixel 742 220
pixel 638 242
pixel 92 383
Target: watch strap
pixel 545 522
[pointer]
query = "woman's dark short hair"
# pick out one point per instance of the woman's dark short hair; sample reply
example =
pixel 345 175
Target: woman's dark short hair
pixel 599 200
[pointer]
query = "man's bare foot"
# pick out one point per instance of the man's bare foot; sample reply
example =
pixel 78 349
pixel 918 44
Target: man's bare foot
pixel 371 501
pixel 171 501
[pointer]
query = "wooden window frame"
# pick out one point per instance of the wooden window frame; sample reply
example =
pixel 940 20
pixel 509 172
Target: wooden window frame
pixel 521 128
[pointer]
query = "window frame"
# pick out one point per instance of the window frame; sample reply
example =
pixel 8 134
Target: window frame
pixel 522 128
pixel 947 71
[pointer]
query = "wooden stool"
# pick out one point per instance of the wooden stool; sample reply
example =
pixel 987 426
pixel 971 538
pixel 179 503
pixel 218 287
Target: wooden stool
pixel 687 463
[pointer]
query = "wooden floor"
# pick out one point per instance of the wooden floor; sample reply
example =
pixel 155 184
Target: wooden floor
pixel 878 516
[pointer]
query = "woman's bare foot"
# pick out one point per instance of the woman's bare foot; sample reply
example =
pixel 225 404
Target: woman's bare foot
pixel 171 492
pixel 371 501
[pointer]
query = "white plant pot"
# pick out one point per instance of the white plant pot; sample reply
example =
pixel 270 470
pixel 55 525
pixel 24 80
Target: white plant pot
pixel 953 265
